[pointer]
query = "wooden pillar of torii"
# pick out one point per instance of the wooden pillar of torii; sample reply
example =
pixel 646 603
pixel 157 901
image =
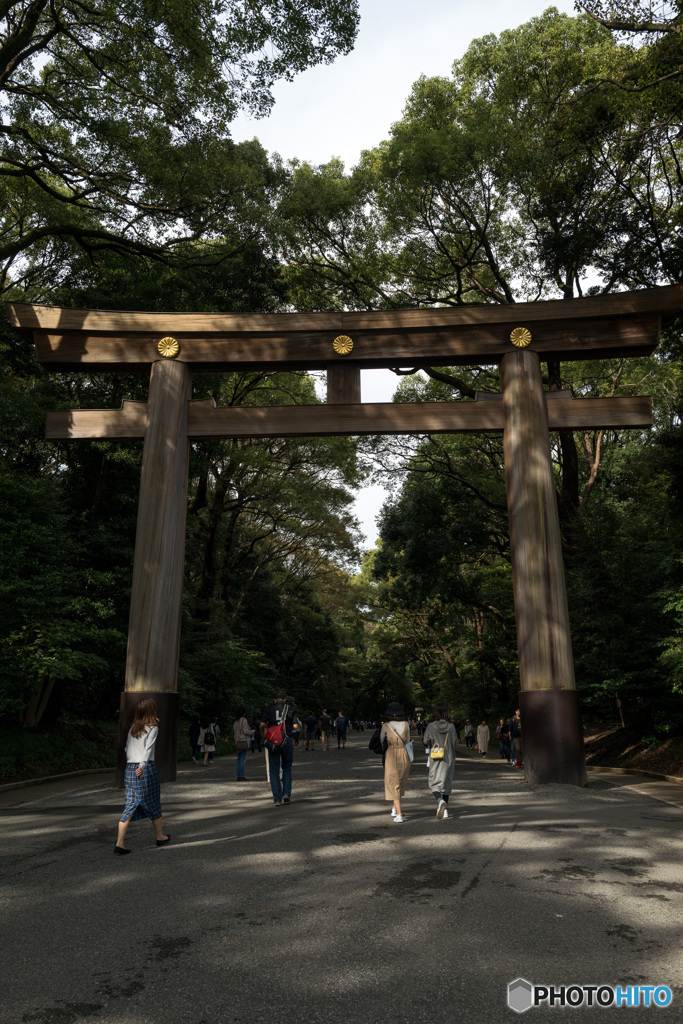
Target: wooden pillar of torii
pixel 518 337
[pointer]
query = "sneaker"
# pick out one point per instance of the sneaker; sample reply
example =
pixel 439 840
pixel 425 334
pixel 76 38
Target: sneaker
pixel 441 809
pixel 286 799
pixel 399 819
pixel 445 814
pixel 277 803
pixel 393 812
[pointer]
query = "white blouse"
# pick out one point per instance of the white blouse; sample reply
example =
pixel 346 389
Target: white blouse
pixel 141 750
pixel 396 727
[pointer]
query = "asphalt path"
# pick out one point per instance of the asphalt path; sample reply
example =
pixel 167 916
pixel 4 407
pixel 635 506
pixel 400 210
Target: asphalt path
pixel 324 909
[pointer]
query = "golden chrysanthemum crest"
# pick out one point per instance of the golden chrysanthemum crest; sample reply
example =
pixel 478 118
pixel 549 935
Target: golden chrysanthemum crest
pixel 342 345
pixel 168 348
pixel 520 337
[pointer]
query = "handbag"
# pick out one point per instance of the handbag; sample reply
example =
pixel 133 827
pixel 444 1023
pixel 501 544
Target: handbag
pixel 276 734
pixel 242 745
pixel 439 753
pixel 408 744
pixel 376 745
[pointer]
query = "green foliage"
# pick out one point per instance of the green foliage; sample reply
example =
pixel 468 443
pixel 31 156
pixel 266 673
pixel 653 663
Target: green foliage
pixel 512 179
pixel 117 116
pixel 445 603
pixel 60 616
pixel 219 676
pixel 73 745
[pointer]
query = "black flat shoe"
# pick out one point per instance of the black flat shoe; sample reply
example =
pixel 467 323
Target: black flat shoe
pixel 162 842
pixel 120 851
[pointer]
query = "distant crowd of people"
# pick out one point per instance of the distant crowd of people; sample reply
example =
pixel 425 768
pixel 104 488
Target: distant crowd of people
pixel 280 729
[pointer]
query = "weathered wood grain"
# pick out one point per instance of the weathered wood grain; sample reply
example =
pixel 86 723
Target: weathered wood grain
pixel 158 569
pixel 401 346
pixel 326 420
pixel 541 613
pixel 408 418
pixel 205 421
pixel 37 317
pixel 29 316
pixel 127 423
pixel 343 383
pixel 593 413
pixel 648 300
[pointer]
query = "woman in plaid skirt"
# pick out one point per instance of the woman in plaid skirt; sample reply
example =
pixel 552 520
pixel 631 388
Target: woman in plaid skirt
pixel 141 783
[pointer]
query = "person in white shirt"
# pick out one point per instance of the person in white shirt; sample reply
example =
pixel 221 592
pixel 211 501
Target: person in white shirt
pixel 141 783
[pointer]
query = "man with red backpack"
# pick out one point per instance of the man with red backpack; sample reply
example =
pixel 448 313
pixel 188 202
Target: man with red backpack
pixel 279 723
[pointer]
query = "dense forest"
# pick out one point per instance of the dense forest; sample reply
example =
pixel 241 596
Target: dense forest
pixel 547 166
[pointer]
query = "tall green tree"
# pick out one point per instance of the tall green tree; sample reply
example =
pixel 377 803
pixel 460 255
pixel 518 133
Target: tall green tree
pixel 115 126
pixel 511 179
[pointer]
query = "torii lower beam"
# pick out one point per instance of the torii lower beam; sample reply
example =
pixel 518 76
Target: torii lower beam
pixel 204 420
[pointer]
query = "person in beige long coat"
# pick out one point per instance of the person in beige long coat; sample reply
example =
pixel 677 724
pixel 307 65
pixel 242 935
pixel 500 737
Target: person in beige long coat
pixel 396 732
pixel 483 737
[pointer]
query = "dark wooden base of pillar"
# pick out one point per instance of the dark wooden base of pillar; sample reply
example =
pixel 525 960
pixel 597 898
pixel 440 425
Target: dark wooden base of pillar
pixel 552 737
pixel 166 750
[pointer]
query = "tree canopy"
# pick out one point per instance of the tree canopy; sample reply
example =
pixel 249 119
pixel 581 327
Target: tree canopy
pixel 115 126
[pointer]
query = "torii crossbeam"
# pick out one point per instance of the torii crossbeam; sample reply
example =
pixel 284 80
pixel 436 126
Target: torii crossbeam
pixel 517 336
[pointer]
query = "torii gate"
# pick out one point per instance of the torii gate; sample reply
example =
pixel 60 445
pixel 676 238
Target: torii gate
pixel 517 336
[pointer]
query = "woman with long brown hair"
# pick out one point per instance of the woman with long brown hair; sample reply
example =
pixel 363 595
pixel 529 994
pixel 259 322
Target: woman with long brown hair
pixel 396 733
pixel 141 783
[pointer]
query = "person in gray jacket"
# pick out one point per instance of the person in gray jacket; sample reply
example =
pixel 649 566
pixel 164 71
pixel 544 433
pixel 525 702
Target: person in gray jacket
pixel 439 740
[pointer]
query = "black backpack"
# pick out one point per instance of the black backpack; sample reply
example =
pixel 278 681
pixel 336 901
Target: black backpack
pixel 209 739
pixel 376 745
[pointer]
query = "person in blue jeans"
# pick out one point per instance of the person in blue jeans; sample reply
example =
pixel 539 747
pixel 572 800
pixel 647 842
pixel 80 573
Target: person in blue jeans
pixel 280 757
pixel 242 733
pixel 341 724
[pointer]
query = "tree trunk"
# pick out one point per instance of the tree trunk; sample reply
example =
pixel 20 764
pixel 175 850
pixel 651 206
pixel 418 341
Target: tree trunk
pixel 38 702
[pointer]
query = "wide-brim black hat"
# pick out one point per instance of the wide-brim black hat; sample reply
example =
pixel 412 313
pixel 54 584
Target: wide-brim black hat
pixel 394 710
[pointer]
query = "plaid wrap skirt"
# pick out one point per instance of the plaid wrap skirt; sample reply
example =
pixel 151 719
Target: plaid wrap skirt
pixel 143 796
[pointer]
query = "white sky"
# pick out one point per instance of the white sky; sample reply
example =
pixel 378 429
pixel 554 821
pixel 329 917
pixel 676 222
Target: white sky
pixel 340 109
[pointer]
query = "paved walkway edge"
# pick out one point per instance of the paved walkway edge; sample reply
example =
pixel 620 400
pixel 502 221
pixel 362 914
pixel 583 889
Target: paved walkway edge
pixel 53 778
pixel 634 771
